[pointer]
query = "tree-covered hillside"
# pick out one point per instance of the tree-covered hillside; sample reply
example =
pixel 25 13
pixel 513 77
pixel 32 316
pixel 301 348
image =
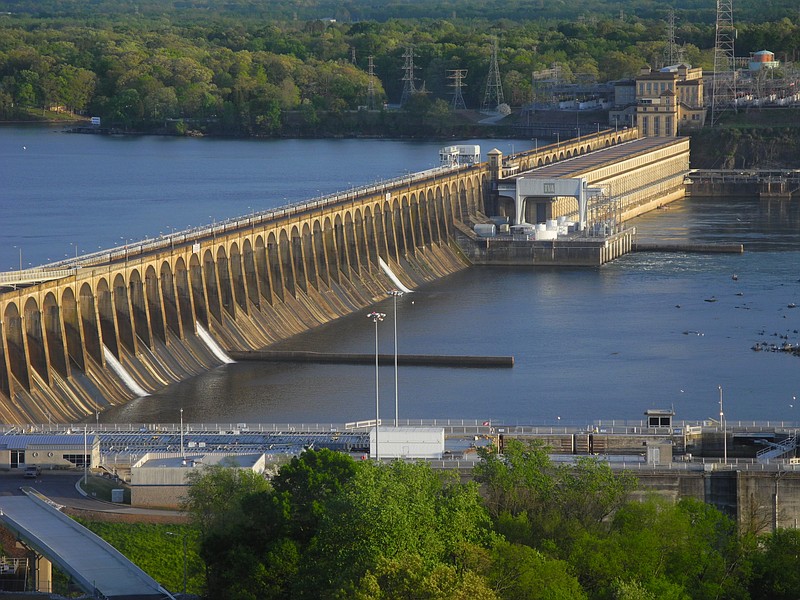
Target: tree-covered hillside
pixel 696 11
pixel 262 68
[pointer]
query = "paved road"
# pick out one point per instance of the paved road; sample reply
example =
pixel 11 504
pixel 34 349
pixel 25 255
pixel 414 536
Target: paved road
pixel 59 486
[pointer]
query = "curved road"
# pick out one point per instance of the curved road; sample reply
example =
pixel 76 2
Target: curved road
pixel 60 487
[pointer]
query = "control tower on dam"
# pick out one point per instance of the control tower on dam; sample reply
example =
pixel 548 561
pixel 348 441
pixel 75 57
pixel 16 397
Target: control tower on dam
pixel 78 336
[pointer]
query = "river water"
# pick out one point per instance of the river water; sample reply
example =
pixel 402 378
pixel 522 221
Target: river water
pixel 604 343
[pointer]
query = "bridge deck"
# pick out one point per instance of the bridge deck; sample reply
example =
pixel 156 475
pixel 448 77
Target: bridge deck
pixel 94 564
pixel 585 163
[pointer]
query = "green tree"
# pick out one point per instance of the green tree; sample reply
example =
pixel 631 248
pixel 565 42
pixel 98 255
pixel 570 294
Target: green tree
pixel 390 511
pixel 519 480
pixel 307 484
pixel 679 551
pixel 776 568
pixel 216 492
pixel 519 572
pixel 408 577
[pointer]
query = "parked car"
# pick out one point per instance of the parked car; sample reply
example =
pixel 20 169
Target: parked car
pixel 32 472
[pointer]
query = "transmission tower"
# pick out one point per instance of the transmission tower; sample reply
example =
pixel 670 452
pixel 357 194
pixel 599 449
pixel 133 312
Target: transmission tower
pixel 723 93
pixel 371 84
pixel 457 75
pixel 494 87
pixel 409 89
pixel 673 53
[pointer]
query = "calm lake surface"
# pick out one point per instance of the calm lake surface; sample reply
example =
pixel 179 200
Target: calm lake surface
pixel 589 344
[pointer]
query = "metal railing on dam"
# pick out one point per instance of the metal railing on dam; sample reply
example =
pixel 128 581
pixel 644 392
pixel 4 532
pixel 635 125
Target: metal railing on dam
pixel 65 268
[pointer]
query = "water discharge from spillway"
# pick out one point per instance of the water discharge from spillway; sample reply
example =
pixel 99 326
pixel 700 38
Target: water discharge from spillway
pixel 212 344
pixel 115 365
pixel 392 276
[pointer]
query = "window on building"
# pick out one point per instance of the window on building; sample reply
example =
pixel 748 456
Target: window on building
pixel 79 460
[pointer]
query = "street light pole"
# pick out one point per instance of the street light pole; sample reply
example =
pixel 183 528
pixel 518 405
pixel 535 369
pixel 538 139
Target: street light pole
pixel 395 294
pixel 724 433
pixel 376 317
pixel 85 466
pixel 182 453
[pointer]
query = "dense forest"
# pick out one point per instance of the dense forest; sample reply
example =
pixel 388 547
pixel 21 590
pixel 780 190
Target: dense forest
pixel 302 68
pixel 327 526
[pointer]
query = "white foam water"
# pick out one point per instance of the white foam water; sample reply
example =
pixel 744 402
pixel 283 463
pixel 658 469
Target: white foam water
pixel 117 367
pixel 212 344
pixel 392 276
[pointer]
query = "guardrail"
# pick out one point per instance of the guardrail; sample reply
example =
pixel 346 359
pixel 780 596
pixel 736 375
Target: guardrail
pixel 603 426
pixel 37 275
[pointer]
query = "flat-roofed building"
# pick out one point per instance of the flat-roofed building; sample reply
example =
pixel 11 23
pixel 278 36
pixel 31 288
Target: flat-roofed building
pixel 160 480
pixel 56 451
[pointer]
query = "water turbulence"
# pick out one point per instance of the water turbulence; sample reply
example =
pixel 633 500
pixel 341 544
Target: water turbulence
pixel 393 277
pixel 115 365
pixel 212 344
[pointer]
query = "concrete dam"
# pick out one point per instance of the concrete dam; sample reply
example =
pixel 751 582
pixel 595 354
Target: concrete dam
pixel 78 336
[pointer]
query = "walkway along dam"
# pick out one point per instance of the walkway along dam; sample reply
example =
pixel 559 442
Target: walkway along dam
pixel 78 336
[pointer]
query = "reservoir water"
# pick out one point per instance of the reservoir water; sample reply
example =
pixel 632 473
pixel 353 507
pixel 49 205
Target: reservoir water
pixel 589 344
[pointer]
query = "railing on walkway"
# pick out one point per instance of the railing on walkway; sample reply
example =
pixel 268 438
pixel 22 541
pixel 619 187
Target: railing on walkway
pixel 32 276
pixel 561 426
pixel 739 176
pixel 775 450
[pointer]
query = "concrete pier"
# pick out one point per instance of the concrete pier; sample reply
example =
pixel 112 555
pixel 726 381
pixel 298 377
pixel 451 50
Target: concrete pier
pixel 418 360
pixel 687 247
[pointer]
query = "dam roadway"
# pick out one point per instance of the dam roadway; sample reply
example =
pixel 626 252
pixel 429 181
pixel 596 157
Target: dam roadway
pixel 131 320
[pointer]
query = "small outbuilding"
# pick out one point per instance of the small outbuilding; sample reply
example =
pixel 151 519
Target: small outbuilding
pixel 659 417
pixel 159 480
pixel 407 442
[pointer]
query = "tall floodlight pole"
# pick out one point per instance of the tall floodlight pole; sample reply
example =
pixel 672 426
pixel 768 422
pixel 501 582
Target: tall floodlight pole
pixel 724 433
pixel 376 317
pixel 395 294
pixel 85 461
pixel 183 455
